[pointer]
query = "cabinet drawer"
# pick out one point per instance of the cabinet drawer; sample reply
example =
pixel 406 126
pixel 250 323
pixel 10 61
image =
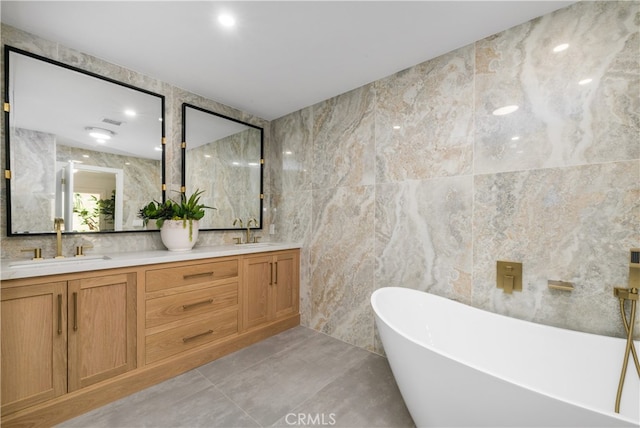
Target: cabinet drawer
pixel 184 305
pixel 160 279
pixel 170 342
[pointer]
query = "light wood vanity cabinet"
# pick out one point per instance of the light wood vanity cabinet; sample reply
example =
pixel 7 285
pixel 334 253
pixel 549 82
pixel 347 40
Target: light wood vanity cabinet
pixel 73 342
pixel 34 344
pixel 271 287
pixel 59 337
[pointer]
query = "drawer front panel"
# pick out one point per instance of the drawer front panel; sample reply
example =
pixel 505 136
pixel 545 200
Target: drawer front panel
pixel 170 342
pixel 184 305
pixel 160 279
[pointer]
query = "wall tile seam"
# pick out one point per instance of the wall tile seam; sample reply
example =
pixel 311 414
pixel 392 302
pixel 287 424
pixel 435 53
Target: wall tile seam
pixel 559 167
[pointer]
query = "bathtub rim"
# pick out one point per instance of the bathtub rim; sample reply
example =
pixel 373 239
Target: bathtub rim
pixel 377 314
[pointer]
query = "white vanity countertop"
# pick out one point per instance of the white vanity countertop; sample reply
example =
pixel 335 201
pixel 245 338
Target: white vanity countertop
pixel 24 268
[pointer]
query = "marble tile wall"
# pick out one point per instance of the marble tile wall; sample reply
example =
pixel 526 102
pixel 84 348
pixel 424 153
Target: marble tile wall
pixel 174 97
pixel 234 191
pixel 35 193
pixel 412 181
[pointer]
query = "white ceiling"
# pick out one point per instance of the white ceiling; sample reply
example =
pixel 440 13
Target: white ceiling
pixel 282 55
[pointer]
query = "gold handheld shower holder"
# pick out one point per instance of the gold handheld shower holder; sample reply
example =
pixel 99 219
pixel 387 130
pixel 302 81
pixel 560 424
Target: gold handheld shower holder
pixel 624 294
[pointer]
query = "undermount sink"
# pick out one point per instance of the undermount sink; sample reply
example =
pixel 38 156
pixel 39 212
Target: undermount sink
pixel 255 245
pixel 57 262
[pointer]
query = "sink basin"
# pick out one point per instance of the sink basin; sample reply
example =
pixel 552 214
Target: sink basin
pixel 56 262
pixel 255 245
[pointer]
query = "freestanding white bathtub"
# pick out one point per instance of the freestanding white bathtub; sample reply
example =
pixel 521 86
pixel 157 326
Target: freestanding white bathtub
pixel 461 366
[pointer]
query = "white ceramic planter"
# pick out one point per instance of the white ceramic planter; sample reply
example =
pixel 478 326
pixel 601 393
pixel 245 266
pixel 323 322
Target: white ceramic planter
pixel 178 235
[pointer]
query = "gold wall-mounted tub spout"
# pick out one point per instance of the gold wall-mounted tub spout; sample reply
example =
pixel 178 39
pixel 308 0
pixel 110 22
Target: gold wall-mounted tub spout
pixel 560 285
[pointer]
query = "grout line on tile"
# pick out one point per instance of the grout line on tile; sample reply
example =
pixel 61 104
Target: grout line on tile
pixel 238 406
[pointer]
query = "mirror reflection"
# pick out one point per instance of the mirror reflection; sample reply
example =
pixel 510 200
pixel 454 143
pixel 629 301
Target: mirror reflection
pixel 81 147
pixel 223 157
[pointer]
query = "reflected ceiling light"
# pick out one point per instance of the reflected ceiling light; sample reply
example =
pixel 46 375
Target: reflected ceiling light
pixel 130 112
pixel 505 110
pixel 288 152
pixel 396 126
pixel 585 81
pixel 85 156
pixel 207 156
pixel 158 148
pixel 100 133
pixel 560 48
pixel 226 20
pixel 235 163
pixel 253 164
pixel 515 138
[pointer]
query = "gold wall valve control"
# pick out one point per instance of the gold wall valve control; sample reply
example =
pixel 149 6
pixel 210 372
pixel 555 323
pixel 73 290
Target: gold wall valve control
pixel 509 276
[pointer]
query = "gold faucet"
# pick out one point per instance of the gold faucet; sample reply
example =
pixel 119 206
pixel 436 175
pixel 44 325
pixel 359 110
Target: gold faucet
pixel 255 223
pixel 58 223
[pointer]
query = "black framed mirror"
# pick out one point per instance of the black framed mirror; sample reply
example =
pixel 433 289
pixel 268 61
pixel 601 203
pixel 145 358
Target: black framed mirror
pixel 79 146
pixel 223 157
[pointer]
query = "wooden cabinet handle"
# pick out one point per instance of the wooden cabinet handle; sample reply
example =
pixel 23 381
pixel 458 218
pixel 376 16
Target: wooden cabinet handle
pixel 59 313
pixel 75 311
pixel 197 275
pixel 193 305
pixel 186 339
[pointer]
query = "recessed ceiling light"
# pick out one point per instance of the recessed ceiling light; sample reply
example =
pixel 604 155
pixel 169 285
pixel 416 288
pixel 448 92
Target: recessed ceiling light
pixel 226 20
pixel 562 47
pixel 99 133
pixel 585 81
pixel 505 110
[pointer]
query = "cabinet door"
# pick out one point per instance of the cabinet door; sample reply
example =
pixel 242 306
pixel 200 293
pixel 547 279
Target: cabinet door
pixel 101 328
pixel 257 280
pixel 285 285
pixel 34 344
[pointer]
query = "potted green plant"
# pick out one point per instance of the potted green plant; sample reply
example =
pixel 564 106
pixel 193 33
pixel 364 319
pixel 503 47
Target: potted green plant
pixel 151 211
pixel 178 221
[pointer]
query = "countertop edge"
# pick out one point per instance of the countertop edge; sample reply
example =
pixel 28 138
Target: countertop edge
pixel 135 258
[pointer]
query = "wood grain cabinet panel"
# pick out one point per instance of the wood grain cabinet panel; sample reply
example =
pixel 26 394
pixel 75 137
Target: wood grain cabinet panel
pixel 185 305
pixel 101 328
pixel 189 335
pixel 34 344
pixel 271 287
pixel 160 279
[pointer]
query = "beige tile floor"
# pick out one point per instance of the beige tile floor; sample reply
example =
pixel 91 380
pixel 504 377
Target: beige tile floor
pixel 297 378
